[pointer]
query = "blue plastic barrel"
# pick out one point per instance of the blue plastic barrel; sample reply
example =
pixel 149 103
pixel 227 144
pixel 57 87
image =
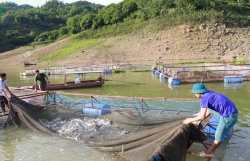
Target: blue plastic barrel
pixel 97 109
pixel 233 79
pixel 173 87
pixel 157 73
pixel 107 71
pixel 172 80
pixel 163 80
pixel 233 85
pixel 210 129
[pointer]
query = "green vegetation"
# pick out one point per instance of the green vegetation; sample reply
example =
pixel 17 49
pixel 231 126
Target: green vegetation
pixel 72 47
pixel 142 70
pixel 23 24
pixel 239 60
pixel 188 62
pixel 119 71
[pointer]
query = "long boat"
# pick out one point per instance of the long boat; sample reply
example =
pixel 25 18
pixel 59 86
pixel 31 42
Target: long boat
pixel 77 83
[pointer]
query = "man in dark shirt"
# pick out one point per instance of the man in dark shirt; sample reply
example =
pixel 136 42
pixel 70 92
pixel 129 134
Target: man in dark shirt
pixel 42 79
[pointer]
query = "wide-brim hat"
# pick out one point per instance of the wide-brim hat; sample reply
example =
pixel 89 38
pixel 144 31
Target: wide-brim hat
pixel 199 88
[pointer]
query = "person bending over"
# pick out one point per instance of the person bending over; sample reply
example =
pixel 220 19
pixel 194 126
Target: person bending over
pixel 3 95
pixel 216 104
pixel 42 79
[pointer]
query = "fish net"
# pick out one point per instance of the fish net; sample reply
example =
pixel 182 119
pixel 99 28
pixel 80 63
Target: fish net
pixel 209 71
pixel 23 113
pixel 131 132
pixel 169 141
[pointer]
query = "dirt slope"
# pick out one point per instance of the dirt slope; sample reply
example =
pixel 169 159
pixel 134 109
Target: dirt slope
pixel 183 43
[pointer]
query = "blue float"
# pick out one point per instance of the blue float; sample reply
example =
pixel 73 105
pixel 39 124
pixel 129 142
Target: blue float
pixel 172 80
pixel 107 71
pixel 233 85
pixel 96 109
pixel 173 87
pixel 163 80
pixel 153 71
pixel 157 73
pixel 233 79
pixel 210 129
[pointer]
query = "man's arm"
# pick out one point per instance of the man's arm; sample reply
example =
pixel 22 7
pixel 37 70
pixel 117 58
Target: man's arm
pixel 47 79
pixel 199 116
pixel 7 88
pixel 35 85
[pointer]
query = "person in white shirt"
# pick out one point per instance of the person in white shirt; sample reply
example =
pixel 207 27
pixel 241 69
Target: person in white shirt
pixel 3 95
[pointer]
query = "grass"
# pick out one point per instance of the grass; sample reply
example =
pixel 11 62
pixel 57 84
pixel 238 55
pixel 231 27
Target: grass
pixel 239 60
pixel 91 38
pixel 74 45
pixel 189 62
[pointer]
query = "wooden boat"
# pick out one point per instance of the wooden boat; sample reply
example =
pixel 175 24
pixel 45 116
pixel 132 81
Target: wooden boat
pixel 27 64
pixel 69 85
pixel 78 83
pixel 26 74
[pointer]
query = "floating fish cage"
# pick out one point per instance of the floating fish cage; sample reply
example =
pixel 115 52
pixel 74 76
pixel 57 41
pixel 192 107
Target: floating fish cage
pixel 207 72
pixel 233 79
pixel 154 106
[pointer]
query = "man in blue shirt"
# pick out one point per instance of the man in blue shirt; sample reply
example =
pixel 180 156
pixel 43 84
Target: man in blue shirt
pixel 216 104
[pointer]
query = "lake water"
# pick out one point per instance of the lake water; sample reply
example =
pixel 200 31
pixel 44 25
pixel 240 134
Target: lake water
pixel 22 144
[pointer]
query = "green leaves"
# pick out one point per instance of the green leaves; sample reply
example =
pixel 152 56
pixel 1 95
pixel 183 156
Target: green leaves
pixel 1 10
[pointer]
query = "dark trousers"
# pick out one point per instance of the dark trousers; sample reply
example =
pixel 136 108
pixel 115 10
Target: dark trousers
pixel 43 87
pixel 3 101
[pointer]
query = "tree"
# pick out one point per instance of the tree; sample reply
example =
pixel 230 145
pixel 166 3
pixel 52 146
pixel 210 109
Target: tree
pixel 74 24
pixel 63 31
pixel 87 21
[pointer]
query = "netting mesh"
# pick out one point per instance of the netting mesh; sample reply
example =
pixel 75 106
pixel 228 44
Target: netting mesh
pixel 212 71
pixel 168 141
pixel 21 112
pixel 146 135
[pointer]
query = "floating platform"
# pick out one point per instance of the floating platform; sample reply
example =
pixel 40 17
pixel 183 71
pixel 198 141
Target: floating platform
pixel 209 73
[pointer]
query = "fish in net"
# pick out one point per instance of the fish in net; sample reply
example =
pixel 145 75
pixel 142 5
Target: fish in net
pixel 146 137
pixel 162 138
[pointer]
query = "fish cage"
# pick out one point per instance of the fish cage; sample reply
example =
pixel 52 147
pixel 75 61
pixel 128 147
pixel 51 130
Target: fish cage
pixel 131 120
pixel 209 73
pixel 127 110
pixel 146 106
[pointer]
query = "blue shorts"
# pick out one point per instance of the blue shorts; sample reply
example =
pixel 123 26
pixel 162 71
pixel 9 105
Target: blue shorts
pixel 225 124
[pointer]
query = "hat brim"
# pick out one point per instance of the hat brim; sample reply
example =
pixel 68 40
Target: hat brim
pixel 199 91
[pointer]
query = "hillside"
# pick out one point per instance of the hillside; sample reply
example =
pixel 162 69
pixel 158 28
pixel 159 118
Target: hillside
pixel 206 42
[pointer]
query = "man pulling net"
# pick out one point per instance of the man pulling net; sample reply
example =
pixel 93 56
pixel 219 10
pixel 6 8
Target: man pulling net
pixel 146 139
